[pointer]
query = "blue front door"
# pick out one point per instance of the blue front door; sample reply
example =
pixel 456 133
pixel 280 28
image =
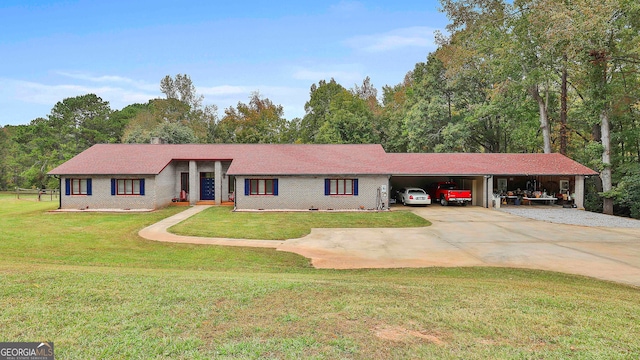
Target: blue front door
pixel 207 186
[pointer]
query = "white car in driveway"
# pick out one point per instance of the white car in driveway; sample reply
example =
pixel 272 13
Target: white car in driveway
pixel 413 196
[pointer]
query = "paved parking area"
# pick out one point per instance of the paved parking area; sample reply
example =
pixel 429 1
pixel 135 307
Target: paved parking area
pixel 474 236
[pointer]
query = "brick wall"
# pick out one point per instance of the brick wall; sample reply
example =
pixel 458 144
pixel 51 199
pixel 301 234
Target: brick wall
pixel 165 186
pixel 306 192
pixel 294 192
pixel 101 197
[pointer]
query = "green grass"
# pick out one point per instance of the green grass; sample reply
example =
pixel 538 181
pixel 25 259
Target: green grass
pixel 31 234
pixel 223 222
pixel 90 284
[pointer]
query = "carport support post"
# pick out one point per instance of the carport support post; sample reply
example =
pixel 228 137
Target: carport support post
pixel 488 194
pixel 579 191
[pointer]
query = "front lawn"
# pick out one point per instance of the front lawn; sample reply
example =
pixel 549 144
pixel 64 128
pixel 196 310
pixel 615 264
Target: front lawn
pixel 221 221
pixel 30 234
pixel 87 282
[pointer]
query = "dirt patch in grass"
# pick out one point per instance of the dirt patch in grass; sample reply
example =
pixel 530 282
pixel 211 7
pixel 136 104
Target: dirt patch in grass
pixel 400 334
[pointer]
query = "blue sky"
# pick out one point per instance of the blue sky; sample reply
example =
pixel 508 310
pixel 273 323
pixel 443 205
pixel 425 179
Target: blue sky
pixel 120 50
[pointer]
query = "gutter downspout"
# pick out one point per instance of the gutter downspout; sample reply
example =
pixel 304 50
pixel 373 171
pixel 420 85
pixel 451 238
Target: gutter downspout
pixel 235 192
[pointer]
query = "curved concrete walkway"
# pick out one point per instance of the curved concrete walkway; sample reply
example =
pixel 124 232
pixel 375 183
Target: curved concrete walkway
pixel 459 236
pixel 158 232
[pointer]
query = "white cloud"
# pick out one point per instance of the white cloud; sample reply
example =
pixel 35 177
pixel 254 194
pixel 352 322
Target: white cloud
pixel 37 99
pixel 43 94
pixel 113 79
pixel 417 36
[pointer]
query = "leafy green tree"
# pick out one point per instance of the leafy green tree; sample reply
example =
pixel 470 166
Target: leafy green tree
pixel 349 121
pixel 36 152
pixel 174 133
pixel 337 115
pixel 83 121
pixel 181 88
pixel 318 109
pixel 125 116
pixel 431 106
pixel 259 121
pixel 292 130
pixel 496 37
pixel 5 154
pixel 600 44
pixel 394 105
pixel 146 120
pixel 74 125
pixel 201 119
pixel 419 112
pixel 627 191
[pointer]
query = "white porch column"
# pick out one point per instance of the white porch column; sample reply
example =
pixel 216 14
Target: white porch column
pixel 217 185
pixel 194 189
pixel 579 191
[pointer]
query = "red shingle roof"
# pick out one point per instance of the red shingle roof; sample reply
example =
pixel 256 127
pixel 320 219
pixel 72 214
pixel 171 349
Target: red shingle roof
pixel 253 159
pixel 309 159
pixel 484 164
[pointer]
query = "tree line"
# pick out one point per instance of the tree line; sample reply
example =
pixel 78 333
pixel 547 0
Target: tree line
pixel 509 76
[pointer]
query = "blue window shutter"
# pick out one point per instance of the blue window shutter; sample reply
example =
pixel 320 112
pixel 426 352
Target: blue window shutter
pixel 275 187
pixel 355 187
pixel 327 186
pixel 142 187
pixel 89 189
pixel 113 186
pixel 67 186
pixel 247 186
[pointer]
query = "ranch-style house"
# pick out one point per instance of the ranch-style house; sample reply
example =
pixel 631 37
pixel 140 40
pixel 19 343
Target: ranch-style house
pixel 296 176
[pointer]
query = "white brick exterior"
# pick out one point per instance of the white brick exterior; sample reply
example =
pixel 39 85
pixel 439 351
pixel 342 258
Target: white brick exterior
pixel 294 192
pixel 164 189
pixel 307 192
pixel 101 197
pixel 159 189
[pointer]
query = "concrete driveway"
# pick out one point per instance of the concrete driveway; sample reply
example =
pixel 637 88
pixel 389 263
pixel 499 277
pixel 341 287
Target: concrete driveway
pixel 474 236
pixel 459 236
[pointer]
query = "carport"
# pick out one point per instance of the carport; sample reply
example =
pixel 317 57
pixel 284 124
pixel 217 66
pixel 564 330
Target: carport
pixel 488 173
pixel 474 183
